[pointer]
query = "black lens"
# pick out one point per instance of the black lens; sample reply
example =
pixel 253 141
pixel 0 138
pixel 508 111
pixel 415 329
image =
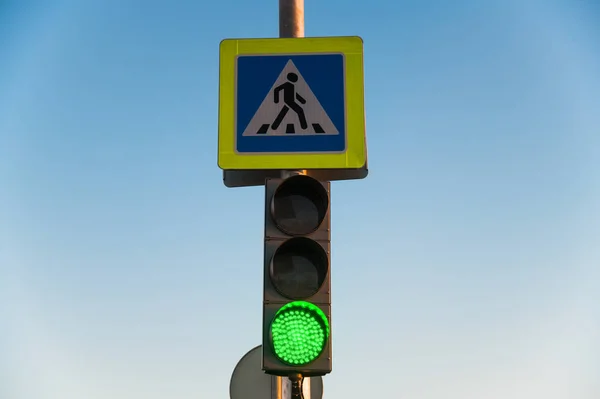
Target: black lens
pixel 299 205
pixel 299 268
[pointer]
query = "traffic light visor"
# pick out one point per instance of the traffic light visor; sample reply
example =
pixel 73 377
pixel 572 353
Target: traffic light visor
pixel 299 205
pixel 299 333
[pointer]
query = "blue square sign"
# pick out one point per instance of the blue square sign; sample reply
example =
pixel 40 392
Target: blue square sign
pixel 290 104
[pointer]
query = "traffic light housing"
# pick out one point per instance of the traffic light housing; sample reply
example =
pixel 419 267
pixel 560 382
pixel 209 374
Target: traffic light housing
pixel 297 278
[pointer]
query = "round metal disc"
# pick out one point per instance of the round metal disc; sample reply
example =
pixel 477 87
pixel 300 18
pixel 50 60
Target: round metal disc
pixel 249 381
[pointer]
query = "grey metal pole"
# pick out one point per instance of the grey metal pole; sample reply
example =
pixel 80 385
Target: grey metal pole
pixel 281 388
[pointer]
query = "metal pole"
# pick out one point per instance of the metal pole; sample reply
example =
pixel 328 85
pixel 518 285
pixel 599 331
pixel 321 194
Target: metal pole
pixel 291 18
pixel 291 24
pixel 281 388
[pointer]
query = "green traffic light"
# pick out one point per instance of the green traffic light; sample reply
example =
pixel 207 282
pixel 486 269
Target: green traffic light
pixel 299 332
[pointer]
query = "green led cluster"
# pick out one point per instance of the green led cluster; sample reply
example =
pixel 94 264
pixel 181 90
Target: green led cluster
pixel 299 332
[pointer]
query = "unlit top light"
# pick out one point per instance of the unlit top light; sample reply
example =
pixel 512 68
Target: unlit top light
pixel 299 205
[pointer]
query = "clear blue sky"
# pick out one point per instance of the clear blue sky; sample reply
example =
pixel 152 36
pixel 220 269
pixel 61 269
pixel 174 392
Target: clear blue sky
pixel 466 266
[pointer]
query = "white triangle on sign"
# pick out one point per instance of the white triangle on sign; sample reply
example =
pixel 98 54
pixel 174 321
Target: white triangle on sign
pixel 285 117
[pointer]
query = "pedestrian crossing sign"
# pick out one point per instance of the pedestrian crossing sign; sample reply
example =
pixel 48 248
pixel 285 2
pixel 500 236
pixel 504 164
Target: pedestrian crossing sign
pixel 291 104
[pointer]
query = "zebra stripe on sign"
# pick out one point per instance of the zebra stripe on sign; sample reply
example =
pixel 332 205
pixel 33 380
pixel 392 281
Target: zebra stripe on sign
pixel 291 129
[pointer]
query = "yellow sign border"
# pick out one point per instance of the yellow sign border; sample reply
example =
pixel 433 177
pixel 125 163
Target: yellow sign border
pixel 355 155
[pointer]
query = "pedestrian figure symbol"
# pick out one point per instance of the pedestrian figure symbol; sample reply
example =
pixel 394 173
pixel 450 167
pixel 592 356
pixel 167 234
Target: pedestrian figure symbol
pixel 290 92
pixel 289 98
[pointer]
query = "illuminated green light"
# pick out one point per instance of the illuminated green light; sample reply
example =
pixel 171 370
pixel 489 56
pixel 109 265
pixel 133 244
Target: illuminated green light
pixel 299 332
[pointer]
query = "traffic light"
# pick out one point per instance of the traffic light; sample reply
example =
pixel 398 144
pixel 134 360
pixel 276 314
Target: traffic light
pixel 297 279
